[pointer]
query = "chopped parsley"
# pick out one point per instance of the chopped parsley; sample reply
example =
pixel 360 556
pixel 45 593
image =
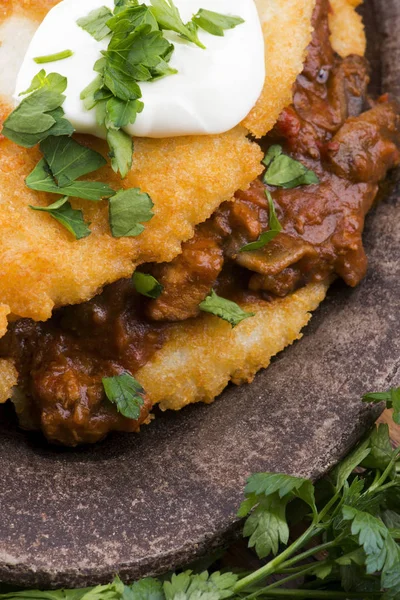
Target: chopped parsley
pixel 283 171
pixel 137 51
pixel 215 23
pixel 168 18
pixel 40 114
pixel 147 285
pixel 96 23
pixel 42 180
pixel 126 393
pixel 53 57
pixel 267 236
pixel 128 210
pixel 224 309
pixel 64 161
pixel 71 218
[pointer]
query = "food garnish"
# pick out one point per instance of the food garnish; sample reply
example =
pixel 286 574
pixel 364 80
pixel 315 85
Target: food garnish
pixel 284 171
pixel 147 285
pixel 224 309
pixel 72 219
pixel 126 393
pixel 267 236
pixel 53 57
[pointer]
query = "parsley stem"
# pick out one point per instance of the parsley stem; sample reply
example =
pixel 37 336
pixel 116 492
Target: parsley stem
pixel 53 57
pixel 385 474
pixel 280 582
pixel 283 558
pixel 272 566
pixel 320 595
pixel 308 553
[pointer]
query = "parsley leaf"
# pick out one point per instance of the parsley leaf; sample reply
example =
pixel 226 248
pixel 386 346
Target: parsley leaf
pixel 168 17
pixel 214 22
pixel 126 393
pixel 225 309
pixel 69 160
pixel 392 399
pixel 202 586
pixel 266 526
pixel 39 115
pixel 53 81
pixel 147 589
pixel 147 285
pixel 381 451
pixel 95 23
pixel 128 209
pixel 70 218
pixel 121 149
pixel 119 114
pixel 343 470
pixel 284 171
pixel 371 533
pixel 42 180
pixel 53 57
pixel 267 236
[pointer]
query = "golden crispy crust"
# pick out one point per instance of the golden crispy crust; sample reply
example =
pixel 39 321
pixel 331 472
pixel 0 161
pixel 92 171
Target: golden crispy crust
pixel 287 33
pixel 201 356
pixel 348 35
pixel 43 266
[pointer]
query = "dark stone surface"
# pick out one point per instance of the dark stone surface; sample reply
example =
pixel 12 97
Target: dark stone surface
pixel 144 504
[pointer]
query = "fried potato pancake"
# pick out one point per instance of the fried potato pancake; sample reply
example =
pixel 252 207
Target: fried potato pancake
pixel 201 356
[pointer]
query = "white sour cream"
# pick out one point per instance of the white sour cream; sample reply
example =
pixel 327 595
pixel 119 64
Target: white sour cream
pixel 213 91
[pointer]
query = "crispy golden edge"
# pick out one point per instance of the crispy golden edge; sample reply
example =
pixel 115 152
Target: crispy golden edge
pixel 348 35
pixel 287 33
pixel 201 356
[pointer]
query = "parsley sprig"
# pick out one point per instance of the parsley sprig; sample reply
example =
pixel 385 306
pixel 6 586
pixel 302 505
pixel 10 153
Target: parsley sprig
pixel 349 548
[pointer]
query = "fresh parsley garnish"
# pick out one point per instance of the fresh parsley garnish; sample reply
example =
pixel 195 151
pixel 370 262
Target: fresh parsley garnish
pixel 128 210
pixel 147 285
pixel 96 23
pixel 71 218
pixel 284 171
pixel 224 309
pixel 126 393
pixel 68 160
pixel 168 17
pixel 42 180
pixel 267 236
pixel 64 161
pixel 347 545
pixel 52 81
pixel 40 114
pixel 214 22
pixel 138 51
pixel 392 399
pixel 53 57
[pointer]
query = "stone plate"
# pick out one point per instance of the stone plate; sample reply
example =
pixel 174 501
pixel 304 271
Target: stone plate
pixel 143 504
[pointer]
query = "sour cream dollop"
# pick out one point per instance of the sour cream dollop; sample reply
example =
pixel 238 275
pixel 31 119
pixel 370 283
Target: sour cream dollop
pixel 212 92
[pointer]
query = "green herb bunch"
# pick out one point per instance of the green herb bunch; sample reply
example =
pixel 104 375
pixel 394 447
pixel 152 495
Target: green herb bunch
pixel 348 548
